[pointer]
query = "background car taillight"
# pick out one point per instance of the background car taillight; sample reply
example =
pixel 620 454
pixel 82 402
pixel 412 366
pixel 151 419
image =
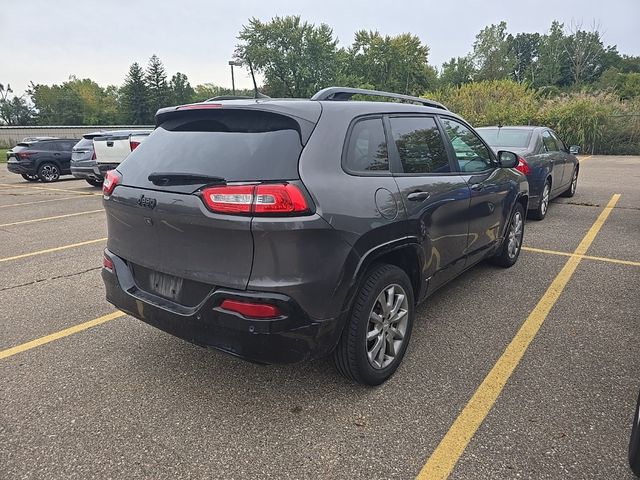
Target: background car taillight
pixel 93 155
pixel 523 166
pixel 25 155
pixel 111 179
pixel 133 144
pixel 274 199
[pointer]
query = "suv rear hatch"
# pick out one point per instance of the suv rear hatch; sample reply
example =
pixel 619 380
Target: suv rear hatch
pixel 157 217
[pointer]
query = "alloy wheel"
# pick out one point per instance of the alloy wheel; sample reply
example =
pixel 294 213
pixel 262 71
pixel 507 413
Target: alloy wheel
pixel 515 235
pixel 50 173
pixel 544 203
pixel 574 182
pixel 387 326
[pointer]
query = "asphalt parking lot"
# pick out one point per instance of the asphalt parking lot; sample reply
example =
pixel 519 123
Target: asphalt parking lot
pixel 530 372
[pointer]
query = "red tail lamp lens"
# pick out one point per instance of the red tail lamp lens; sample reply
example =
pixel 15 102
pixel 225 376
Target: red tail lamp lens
pixel 267 198
pixel 111 179
pixel 251 310
pixel 107 263
pixel 133 145
pixel 523 166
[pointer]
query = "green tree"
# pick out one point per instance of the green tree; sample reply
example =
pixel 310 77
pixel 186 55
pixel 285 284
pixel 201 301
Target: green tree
pixel 397 64
pixel 15 110
pixel 457 71
pixel 524 48
pixel 296 58
pixel 552 57
pixel 206 91
pixel 492 53
pixel 57 104
pixel 181 90
pixel 135 97
pixel 585 53
pixel 157 86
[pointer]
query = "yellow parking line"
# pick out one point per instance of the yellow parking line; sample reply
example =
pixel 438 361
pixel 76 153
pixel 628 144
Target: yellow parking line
pixel 49 250
pixel 447 453
pixel 61 334
pixel 78 192
pixel 50 218
pixel 41 201
pixel 588 257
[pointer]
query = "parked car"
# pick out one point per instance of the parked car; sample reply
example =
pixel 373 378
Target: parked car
pixel 634 441
pixel 83 160
pixel 280 230
pixel 551 168
pixel 44 160
pixel 111 148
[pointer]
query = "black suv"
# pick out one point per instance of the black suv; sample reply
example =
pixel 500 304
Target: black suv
pixel 42 160
pixel 283 230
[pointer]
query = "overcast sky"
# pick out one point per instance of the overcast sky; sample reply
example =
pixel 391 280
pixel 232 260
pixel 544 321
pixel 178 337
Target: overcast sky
pixel 45 41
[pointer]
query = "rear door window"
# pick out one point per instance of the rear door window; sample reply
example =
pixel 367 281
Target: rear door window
pixel 236 145
pixel 549 142
pixel 367 147
pixel 420 145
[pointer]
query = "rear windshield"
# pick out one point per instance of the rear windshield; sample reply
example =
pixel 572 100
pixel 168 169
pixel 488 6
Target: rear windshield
pixel 84 144
pixel 506 137
pixel 236 145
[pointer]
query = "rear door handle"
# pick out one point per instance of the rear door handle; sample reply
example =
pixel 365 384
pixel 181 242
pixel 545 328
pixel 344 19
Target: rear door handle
pixel 476 187
pixel 418 196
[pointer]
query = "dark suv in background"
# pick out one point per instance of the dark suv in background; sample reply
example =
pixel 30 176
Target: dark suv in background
pixel 280 230
pixel 44 160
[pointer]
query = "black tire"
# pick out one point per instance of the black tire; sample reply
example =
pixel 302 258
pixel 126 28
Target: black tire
pixel 543 206
pixel 571 191
pixel 30 178
pixel 634 442
pixel 508 255
pixel 48 172
pixel 351 356
pixel 94 183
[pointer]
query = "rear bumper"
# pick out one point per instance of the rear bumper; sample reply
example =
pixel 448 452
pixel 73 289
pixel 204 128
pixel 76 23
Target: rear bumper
pixel 85 172
pixel 290 338
pixel 21 168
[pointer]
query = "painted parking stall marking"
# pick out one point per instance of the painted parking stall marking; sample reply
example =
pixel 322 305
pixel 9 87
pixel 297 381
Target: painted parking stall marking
pixel 442 461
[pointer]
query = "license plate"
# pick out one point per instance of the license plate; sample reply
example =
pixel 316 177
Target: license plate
pixel 165 285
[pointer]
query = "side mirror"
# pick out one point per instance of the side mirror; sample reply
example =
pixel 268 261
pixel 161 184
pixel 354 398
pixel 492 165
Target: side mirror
pixel 507 159
pixel 574 149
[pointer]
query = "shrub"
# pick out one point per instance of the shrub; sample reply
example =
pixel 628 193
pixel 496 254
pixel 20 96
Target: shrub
pixel 495 102
pixel 600 122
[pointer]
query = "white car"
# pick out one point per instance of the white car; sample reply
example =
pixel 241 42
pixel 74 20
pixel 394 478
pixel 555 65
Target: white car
pixel 113 147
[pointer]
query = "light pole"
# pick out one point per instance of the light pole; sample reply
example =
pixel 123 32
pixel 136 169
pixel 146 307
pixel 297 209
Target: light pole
pixel 233 63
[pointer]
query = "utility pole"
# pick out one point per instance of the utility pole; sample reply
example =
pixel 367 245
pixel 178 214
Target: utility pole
pixel 233 63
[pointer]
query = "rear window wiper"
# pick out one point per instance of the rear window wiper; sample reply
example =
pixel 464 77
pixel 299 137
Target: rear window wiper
pixel 167 178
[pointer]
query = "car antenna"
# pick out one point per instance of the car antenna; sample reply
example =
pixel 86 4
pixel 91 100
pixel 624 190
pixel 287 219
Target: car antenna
pixel 255 86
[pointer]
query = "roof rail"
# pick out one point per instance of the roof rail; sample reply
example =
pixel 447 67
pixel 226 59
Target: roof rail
pixel 227 97
pixel 345 93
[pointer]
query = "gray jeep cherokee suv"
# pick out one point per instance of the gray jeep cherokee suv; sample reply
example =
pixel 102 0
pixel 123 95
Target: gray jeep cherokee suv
pixel 283 230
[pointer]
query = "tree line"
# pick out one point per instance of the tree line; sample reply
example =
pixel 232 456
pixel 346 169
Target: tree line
pixel 297 58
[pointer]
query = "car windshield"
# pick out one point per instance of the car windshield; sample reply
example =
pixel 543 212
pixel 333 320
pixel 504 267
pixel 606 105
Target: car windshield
pixel 506 137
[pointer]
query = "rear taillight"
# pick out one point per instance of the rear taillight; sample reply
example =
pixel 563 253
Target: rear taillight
pixel 523 166
pixel 264 199
pixel 93 155
pixel 111 179
pixel 107 262
pixel 251 310
pixel 133 145
pixel 25 155
pixel 231 199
